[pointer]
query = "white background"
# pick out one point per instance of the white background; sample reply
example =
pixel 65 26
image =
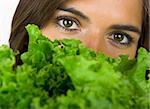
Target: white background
pixel 7 9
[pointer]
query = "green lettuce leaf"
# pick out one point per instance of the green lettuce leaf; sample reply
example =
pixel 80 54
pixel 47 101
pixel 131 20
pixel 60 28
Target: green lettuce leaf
pixel 64 74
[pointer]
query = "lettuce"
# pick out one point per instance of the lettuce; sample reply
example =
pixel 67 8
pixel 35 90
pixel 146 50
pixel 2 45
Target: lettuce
pixel 64 74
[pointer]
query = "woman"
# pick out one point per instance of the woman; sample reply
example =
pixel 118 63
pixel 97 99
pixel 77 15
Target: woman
pixel 110 26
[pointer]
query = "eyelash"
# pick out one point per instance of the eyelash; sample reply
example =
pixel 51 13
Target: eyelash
pixel 74 20
pixel 125 35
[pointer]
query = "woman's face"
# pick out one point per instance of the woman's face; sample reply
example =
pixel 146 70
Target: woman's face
pixel 110 26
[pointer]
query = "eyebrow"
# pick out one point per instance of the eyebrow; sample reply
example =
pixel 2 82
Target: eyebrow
pixel 119 27
pixel 74 11
pixel 126 27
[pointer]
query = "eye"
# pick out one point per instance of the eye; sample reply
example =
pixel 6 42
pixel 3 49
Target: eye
pixel 68 23
pixel 120 38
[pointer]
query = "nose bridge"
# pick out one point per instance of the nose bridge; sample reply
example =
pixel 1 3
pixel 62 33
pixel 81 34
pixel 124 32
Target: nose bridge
pixel 95 31
pixel 94 35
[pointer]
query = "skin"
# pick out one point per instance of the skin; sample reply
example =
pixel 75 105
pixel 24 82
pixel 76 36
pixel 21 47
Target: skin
pixel 109 26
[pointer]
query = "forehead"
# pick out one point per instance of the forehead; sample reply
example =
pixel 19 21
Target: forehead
pixel 129 11
pixel 98 4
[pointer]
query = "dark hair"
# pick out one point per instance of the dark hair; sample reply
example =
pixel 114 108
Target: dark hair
pixel 145 36
pixel 39 12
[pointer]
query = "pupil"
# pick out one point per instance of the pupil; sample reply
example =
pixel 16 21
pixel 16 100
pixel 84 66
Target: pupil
pixel 118 37
pixel 67 23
